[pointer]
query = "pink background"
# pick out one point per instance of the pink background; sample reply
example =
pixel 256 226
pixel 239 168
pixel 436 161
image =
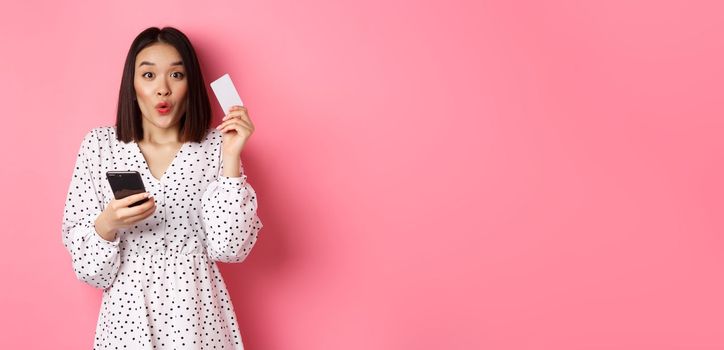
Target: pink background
pixel 431 175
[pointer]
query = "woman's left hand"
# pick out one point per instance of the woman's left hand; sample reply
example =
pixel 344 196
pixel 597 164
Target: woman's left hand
pixel 236 128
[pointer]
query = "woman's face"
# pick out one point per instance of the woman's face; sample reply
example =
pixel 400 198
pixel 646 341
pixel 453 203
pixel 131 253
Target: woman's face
pixel 160 77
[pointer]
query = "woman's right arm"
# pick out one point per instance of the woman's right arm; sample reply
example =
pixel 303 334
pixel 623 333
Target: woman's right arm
pixel 95 259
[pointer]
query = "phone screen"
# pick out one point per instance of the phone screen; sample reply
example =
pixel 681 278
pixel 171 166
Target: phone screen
pixel 126 183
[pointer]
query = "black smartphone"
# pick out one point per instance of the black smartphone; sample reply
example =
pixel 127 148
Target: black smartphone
pixel 126 183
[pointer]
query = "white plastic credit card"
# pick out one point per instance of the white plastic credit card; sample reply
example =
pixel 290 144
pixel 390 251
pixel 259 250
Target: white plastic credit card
pixel 226 93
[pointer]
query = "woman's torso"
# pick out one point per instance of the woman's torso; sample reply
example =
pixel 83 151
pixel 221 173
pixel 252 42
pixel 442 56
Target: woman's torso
pixel 176 226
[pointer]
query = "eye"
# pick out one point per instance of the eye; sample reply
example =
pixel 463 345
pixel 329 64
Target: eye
pixel 180 75
pixel 144 74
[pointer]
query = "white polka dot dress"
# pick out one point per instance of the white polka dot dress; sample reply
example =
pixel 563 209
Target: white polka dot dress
pixel 161 286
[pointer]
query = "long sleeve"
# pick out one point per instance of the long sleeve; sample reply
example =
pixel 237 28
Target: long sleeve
pixel 230 217
pixel 95 260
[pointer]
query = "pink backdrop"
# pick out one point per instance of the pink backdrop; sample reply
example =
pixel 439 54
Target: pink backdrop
pixel 431 174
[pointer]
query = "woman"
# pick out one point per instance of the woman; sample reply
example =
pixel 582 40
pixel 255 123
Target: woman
pixel 156 262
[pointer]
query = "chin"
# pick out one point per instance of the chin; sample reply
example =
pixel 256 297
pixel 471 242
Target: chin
pixel 165 122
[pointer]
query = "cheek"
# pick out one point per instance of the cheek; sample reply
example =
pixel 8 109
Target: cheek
pixel 141 90
pixel 182 89
pixel 143 94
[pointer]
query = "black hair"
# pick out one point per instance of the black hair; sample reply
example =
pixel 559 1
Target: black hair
pixel 196 121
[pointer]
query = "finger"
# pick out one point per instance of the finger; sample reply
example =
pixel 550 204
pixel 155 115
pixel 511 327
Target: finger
pixel 137 210
pixel 236 107
pixel 141 216
pixel 133 211
pixel 243 122
pixel 240 129
pixel 245 117
pixel 235 113
pixel 237 122
pixel 127 201
pixel 232 121
pixel 224 123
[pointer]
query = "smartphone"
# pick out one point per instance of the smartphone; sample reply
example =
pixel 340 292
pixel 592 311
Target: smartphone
pixel 126 183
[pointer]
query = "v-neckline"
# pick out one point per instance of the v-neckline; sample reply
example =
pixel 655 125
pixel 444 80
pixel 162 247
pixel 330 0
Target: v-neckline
pixel 148 169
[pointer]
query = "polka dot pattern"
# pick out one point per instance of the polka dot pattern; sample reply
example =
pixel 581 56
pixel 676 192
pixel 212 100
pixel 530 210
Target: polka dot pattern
pixel 161 286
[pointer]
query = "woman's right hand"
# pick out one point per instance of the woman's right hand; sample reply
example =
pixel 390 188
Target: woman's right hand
pixel 119 215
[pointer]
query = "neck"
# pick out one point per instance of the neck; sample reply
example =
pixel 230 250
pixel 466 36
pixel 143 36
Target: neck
pixel 160 136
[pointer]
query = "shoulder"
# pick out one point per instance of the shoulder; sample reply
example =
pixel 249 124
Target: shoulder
pixel 212 136
pixel 97 137
pixel 100 133
pixel 212 139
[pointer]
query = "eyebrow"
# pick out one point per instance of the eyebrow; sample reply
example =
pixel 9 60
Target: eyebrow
pixel 179 63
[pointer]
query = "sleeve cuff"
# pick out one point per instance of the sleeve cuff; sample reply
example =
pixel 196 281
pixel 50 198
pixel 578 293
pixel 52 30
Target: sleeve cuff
pixel 236 182
pixel 102 240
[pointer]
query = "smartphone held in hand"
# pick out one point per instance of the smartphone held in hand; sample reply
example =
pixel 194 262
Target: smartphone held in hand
pixel 126 183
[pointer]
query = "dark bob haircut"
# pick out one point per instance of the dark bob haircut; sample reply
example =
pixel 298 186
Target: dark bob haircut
pixel 195 123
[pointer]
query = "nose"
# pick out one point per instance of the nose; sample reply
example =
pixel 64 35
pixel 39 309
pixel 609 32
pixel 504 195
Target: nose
pixel 163 89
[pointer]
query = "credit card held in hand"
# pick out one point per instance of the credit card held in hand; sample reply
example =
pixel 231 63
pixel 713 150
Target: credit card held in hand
pixel 226 93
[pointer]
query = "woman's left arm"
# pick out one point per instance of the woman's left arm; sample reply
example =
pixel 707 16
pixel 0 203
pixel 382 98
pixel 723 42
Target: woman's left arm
pixel 229 204
pixel 230 218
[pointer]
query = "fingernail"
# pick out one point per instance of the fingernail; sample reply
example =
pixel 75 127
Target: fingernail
pixel 148 195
